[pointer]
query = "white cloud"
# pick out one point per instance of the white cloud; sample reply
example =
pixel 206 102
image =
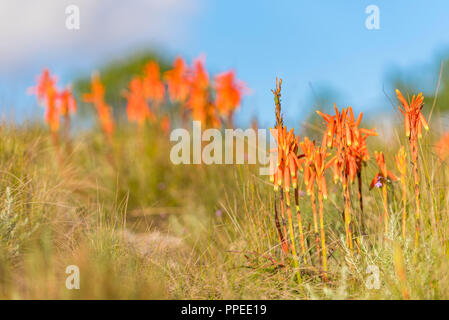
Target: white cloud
pixel 36 28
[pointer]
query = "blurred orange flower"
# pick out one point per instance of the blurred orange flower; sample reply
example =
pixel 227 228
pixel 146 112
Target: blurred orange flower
pixel 67 102
pixel 153 87
pixel 47 94
pixel 199 100
pixel 177 81
pixel 96 97
pixel 137 107
pixel 228 93
pixel 442 147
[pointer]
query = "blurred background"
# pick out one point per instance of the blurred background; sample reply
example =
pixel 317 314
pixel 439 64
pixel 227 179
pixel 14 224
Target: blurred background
pixel 322 49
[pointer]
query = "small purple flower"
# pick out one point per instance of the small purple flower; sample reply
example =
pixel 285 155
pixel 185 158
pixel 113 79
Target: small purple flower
pixel 379 183
pixel 301 193
pixel 218 213
pixel 161 186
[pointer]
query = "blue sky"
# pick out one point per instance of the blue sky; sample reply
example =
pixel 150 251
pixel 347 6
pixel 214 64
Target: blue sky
pixel 307 43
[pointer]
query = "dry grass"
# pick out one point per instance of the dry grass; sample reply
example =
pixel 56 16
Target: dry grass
pixel 139 227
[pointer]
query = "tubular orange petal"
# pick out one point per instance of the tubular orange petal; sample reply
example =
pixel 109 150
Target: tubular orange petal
pixel 373 182
pixel 407 127
pixel 326 117
pixel 287 180
pixel 401 98
pixel 392 176
pixel 292 165
pixel 423 121
pixel 419 129
pixel 324 187
pixel 368 132
pixel 295 181
pixel 359 119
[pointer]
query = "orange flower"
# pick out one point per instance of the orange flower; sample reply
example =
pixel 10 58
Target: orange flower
pixel 320 166
pixel 343 132
pixel 315 165
pixel 47 93
pixel 199 101
pixel 67 102
pixel 51 111
pixel 153 87
pixel 199 94
pixel 288 161
pixel 229 93
pixel 44 82
pixel 414 119
pixel 442 147
pixel 137 107
pixel 177 81
pixel 96 97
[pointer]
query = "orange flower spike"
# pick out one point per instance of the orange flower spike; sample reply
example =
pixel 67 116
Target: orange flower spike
pixel 47 93
pixel 44 82
pixel 67 102
pixel 288 164
pixel 199 99
pixel 52 112
pixel 96 97
pixel 177 81
pixel 137 107
pixel 414 119
pixel 344 134
pixel 200 75
pixel 153 87
pixel 228 92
